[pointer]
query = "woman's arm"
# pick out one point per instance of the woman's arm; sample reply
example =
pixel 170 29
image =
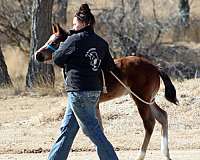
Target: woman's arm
pixel 108 63
pixel 61 55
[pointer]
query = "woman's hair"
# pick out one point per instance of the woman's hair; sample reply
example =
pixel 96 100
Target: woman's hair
pixel 84 14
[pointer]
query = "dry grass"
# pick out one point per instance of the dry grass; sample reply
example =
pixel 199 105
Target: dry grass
pixel 16 61
pixel 17 65
pixel 164 8
pixel 30 123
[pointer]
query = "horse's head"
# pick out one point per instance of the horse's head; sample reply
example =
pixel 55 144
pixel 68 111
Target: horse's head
pixel 45 52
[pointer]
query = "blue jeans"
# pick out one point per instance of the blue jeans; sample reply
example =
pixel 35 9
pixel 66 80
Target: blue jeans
pixel 81 111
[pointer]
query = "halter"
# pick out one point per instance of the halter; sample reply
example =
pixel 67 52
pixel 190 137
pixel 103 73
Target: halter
pixel 51 47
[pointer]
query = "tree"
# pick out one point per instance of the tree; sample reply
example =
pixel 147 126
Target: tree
pixel 40 74
pixel 182 27
pixel 5 80
pixel 184 10
pixel 15 23
pixel 132 18
pixel 60 11
pixel 123 24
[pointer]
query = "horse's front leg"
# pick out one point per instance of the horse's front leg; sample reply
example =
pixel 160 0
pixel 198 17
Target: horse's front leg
pixel 98 115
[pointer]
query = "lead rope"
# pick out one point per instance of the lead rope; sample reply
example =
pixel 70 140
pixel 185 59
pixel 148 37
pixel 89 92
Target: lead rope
pixel 129 90
pixel 104 82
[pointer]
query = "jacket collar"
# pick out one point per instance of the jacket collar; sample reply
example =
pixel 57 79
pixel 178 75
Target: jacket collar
pixel 88 29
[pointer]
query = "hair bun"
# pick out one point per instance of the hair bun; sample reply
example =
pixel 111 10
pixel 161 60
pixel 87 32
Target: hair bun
pixel 84 14
pixel 84 8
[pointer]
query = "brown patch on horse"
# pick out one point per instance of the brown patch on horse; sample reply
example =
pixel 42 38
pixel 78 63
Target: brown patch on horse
pixel 140 75
pixel 143 78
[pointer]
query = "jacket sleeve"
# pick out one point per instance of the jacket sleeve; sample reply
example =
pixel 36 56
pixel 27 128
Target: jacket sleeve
pixel 108 63
pixel 62 54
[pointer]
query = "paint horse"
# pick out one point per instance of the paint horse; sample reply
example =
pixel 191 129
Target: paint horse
pixel 140 76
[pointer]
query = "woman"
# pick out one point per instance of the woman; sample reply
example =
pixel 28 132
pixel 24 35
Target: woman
pixel 82 56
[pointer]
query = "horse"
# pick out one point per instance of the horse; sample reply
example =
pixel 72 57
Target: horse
pixel 141 77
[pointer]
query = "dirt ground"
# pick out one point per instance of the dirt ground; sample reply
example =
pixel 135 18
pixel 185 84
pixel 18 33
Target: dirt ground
pixel 30 124
pixel 123 155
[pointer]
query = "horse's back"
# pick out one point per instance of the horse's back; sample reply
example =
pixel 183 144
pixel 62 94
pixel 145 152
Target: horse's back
pixel 142 76
pixel 138 73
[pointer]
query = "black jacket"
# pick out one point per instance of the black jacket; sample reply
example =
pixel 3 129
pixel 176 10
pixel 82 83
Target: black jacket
pixel 82 56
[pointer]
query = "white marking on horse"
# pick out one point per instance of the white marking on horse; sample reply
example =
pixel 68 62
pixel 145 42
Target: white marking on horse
pixel 164 146
pixel 141 155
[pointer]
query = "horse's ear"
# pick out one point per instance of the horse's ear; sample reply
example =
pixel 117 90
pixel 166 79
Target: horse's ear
pixel 54 29
pixel 57 28
pixel 60 29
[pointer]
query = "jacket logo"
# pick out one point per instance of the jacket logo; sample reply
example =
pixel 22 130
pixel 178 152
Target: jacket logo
pixel 95 61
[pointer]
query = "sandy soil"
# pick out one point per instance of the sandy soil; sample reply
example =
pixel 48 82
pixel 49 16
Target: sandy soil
pixel 123 155
pixel 29 125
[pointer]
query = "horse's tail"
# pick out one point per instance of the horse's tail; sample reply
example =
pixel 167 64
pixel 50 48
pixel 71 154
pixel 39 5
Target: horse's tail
pixel 170 91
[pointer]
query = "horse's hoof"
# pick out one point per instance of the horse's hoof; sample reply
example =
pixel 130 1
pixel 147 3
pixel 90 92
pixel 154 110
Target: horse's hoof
pixel 167 158
pixel 139 158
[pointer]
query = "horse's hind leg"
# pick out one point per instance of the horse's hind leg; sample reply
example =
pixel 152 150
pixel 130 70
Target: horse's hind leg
pixel 149 123
pixel 161 117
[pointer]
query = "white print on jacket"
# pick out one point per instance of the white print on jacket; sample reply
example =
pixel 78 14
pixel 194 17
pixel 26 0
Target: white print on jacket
pixel 95 61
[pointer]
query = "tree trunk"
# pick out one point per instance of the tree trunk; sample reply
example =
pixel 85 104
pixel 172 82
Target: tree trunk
pixel 132 18
pixel 60 12
pixel 5 80
pixel 184 10
pixel 40 74
pixel 182 28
